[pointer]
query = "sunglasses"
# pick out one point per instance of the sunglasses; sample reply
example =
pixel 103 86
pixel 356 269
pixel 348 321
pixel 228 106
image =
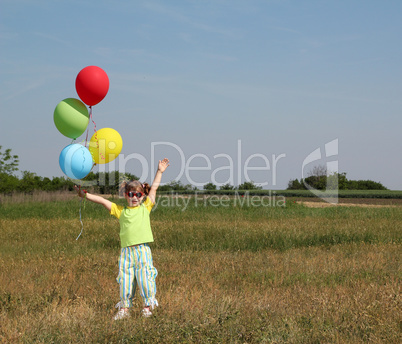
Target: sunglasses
pixel 137 194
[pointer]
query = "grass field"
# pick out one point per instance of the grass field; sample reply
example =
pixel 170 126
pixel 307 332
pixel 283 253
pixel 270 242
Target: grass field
pixel 229 272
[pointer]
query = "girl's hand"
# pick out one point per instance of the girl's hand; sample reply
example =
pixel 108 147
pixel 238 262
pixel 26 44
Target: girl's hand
pixel 163 165
pixel 157 180
pixel 81 192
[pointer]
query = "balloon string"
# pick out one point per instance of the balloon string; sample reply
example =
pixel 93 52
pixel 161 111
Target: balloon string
pixel 90 116
pixel 93 122
pixel 82 225
pixel 95 135
pixel 101 156
pixel 86 142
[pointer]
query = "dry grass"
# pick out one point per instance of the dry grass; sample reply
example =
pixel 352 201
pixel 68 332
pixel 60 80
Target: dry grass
pixel 54 289
pixel 363 202
pixel 346 204
pixel 344 294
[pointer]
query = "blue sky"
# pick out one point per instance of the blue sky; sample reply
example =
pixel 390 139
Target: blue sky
pixel 227 84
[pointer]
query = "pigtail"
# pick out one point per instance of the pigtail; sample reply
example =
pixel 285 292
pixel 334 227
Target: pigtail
pixel 146 188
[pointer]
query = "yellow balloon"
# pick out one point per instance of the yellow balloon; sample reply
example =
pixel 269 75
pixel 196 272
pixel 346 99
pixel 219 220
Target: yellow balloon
pixel 105 145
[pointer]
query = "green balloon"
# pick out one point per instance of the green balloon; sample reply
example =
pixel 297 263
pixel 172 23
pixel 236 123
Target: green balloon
pixel 71 117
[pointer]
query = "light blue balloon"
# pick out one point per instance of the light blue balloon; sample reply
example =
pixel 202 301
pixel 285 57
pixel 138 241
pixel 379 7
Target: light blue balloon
pixel 75 161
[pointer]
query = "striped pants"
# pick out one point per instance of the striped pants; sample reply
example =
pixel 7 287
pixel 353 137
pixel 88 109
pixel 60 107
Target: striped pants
pixel 135 265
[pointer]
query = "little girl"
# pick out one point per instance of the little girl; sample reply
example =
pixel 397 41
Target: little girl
pixel 135 264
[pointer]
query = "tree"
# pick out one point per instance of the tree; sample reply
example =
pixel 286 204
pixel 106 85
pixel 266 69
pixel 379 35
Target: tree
pixel 29 182
pixel 317 177
pixel 176 186
pixel 61 183
pixel 8 162
pixel 294 184
pixel 316 182
pixel 8 183
pixel 318 171
pixel 227 187
pixel 249 186
pixel 210 186
pixel 365 185
pixel 341 180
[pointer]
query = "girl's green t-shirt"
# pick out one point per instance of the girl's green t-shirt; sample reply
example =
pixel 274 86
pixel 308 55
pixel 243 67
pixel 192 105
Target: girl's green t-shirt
pixel 135 224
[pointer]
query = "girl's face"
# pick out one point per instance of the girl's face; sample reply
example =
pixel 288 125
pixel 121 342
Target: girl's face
pixel 134 198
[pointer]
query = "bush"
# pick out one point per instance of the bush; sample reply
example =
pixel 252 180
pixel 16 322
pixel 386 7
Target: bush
pixel 8 183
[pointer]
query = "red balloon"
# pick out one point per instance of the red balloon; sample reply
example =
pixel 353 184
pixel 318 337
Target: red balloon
pixel 92 85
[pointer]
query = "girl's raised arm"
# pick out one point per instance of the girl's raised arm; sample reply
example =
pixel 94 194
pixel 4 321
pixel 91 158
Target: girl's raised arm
pixel 94 198
pixel 157 180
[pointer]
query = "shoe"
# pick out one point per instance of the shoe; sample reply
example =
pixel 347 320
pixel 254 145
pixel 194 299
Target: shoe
pixel 122 313
pixel 146 313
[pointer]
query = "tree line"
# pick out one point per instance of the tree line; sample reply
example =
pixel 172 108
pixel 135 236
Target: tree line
pixel 334 181
pixel 103 183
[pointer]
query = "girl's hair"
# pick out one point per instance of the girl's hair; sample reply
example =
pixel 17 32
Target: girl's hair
pixel 134 185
